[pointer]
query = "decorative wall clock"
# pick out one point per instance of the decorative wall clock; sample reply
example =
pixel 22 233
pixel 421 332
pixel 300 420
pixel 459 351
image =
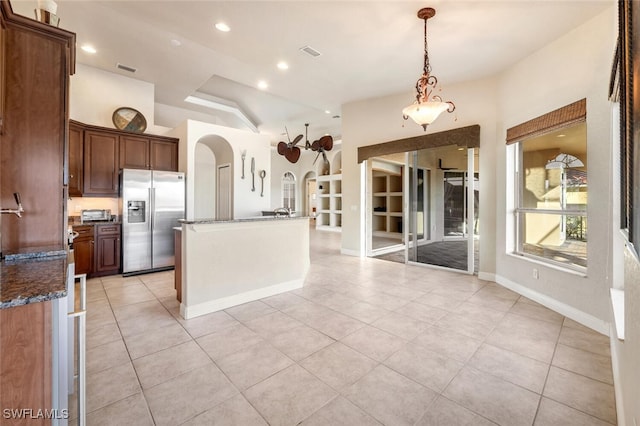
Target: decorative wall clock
pixel 129 119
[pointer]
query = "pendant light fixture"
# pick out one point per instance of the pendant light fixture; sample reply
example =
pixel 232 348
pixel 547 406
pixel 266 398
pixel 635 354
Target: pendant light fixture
pixel 427 106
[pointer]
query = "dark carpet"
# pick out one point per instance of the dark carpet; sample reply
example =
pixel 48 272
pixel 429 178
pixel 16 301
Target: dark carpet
pixel 449 254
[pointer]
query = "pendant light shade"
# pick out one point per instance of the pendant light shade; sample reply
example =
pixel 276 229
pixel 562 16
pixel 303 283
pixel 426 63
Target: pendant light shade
pixel 425 113
pixel 427 106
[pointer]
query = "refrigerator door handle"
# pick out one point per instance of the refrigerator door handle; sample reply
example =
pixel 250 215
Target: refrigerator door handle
pixel 150 209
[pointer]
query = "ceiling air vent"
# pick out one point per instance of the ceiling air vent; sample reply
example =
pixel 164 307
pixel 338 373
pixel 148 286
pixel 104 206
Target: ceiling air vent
pixel 126 68
pixel 310 51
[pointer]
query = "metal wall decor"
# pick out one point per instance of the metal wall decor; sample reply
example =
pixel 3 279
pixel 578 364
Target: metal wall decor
pixel 253 174
pixel 243 156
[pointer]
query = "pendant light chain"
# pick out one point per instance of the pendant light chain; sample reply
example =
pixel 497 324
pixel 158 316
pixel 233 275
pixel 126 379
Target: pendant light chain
pixel 427 66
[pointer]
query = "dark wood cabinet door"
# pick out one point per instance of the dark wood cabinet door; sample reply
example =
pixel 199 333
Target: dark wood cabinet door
pixel 108 259
pixel 83 255
pixel 134 152
pixel 2 60
pixel 76 139
pixel 84 249
pixel 164 155
pixel 101 163
pixel 108 249
pixel 32 158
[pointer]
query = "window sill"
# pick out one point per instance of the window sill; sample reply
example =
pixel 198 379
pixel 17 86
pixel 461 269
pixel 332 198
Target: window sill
pixel 617 302
pixel 548 264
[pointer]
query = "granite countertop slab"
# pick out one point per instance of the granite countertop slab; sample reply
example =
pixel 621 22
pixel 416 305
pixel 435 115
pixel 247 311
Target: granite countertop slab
pixel 33 275
pixel 35 252
pixel 245 219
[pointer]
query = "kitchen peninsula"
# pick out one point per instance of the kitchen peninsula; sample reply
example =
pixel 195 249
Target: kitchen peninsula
pixel 227 263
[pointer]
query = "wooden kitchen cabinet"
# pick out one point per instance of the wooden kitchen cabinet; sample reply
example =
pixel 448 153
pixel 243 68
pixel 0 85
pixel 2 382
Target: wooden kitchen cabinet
pixel 26 362
pixel 149 153
pixel 164 155
pixel 76 160
pixel 107 249
pixel 2 56
pixel 84 249
pixel 36 61
pixel 134 152
pixel 101 163
pixel 97 154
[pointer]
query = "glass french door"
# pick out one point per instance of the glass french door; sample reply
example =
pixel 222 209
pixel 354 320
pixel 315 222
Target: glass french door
pixel 442 212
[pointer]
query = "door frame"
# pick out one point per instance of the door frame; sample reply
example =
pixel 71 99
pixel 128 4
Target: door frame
pixel 220 192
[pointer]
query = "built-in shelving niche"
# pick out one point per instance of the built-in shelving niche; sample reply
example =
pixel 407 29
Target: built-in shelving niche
pixel 329 193
pixel 387 200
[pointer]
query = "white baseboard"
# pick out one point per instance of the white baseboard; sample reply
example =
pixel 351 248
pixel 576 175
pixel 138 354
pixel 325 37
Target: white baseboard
pixel 350 252
pixel 210 306
pixel 577 315
pixel 487 276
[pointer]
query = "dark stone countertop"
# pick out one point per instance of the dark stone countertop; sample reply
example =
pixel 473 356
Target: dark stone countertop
pixel 33 275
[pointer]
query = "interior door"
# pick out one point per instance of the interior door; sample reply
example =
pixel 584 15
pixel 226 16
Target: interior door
pixel 223 204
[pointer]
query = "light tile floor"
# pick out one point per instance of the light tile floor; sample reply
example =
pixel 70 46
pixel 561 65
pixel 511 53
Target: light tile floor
pixel 364 342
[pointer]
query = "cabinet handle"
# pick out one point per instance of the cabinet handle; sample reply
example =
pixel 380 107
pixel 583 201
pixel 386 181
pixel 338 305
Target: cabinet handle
pixel 71 176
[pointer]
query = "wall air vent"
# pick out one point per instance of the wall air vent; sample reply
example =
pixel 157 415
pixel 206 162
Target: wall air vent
pixel 126 68
pixel 310 51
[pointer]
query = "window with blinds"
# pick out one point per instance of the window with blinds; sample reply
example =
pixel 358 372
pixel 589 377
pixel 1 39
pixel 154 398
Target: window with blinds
pixel 551 186
pixel 624 71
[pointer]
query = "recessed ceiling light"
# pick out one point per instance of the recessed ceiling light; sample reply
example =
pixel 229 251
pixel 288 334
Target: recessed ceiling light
pixel 176 43
pixel 561 136
pixel 221 26
pixel 326 111
pixel 283 65
pixel 262 85
pixel 89 48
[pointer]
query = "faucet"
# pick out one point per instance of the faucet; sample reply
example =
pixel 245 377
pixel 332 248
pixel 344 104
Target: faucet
pixel 18 212
pixel 281 211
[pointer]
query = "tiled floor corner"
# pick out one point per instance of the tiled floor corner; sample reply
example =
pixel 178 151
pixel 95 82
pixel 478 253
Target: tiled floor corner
pixel 364 342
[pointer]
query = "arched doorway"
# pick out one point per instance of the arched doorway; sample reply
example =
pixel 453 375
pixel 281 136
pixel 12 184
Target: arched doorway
pixel 309 194
pixel 213 178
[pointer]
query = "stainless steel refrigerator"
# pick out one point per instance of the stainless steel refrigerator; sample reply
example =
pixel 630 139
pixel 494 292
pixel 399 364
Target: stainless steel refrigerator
pixel 151 202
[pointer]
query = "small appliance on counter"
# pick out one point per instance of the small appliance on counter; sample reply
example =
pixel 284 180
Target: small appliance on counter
pixel 95 215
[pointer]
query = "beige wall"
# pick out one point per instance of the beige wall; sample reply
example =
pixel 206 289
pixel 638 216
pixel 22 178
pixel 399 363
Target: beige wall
pixel 246 203
pixel 568 69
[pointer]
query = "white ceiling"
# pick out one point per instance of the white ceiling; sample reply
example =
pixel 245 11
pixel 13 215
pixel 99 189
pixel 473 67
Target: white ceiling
pixel 369 49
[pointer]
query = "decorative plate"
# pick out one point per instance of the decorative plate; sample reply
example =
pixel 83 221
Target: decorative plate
pixel 129 119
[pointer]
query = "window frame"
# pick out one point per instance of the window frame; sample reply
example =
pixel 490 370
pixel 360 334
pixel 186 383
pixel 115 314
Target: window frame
pixel 520 212
pixel 625 70
pixel 564 117
pixel 289 187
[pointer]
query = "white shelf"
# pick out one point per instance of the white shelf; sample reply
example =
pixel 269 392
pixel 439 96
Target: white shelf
pixel 387 194
pixel 329 217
